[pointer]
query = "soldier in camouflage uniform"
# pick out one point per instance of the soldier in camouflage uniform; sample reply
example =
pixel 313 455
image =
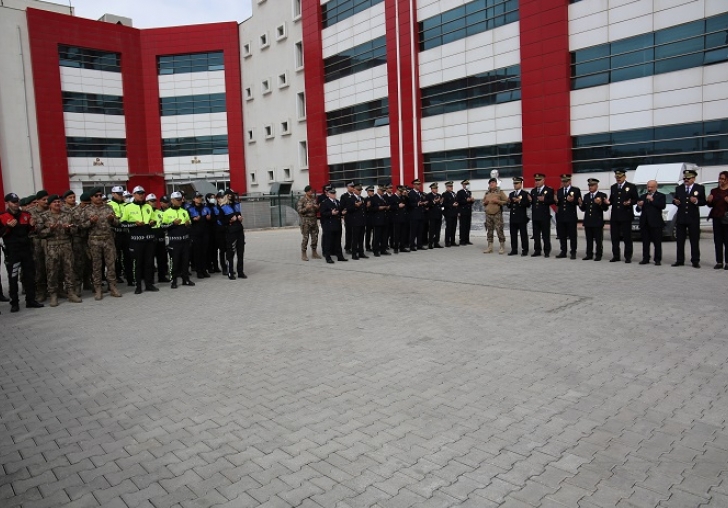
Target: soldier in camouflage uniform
pixel 41 277
pixel 78 241
pixel 98 220
pixel 307 208
pixel 493 201
pixel 55 227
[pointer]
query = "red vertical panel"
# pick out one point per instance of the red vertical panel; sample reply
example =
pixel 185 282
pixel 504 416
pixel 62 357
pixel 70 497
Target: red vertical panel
pixel 404 90
pixel 545 88
pixel 318 167
pixel 139 50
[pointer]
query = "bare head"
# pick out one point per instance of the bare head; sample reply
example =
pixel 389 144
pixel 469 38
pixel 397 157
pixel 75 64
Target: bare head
pixel 652 186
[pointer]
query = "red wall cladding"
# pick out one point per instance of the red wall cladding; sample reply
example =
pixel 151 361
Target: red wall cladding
pixel 545 88
pixel 404 90
pixel 318 166
pixel 139 50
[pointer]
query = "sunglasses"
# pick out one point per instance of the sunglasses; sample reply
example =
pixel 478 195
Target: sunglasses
pixel 97 196
pixel 689 178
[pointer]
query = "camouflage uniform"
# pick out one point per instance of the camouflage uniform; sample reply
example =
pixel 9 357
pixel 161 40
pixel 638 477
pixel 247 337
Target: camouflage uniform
pixel 101 245
pixel 494 216
pixel 39 248
pixel 78 245
pixel 58 252
pixel 306 208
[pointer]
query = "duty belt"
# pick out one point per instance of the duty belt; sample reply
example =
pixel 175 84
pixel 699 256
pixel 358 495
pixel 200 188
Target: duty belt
pixel 141 238
pixel 58 241
pixel 98 237
pixel 178 238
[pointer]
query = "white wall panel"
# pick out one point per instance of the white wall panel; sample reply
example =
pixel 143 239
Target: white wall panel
pixel 83 169
pixel 210 165
pixel 94 126
pixel 191 83
pixel 362 26
pixel 361 87
pixel 91 81
pixel 360 145
pixel 428 8
pixel 493 49
pixel 183 126
pixel 690 95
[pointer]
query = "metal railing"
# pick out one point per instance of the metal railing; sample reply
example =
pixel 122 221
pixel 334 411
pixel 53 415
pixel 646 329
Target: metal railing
pixel 269 210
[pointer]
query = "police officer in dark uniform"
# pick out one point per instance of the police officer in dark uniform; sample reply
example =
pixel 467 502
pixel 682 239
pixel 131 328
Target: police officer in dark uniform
pixel 518 203
pixel 200 215
pixel 392 213
pixel 345 198
pixel 232 218
pixel 403 220
pixel 542 197
pixel 356 214
pixel 380 208
pixel 623 196
pixel 434 217
pixel 220 230
pixel 465 211
pixel 331 214
pixel 417 212
pixel 212 262
pixel 594 203
pixel 567 199
pixel 450 209
pixel 688 199
pixel 369 228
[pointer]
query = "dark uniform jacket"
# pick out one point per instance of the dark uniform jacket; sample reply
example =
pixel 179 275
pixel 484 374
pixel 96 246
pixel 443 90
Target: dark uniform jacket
pixel 687 211
pixel 356 214
pixel 620 211
pixel 434 206
pixel 329 221
pixel 380 215
pixel 463 204
pixel 403 211
pixel 652 210
pixel 565 209
pixel 518 214
pixel 449 198
pixel 416 210
pixel 542 209
pixel 594 212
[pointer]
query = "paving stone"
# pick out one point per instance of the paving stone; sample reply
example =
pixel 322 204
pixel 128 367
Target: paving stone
pixel 398 410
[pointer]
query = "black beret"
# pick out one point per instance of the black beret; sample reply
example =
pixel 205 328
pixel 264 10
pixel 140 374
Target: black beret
pixel 41 194
pixel 69 192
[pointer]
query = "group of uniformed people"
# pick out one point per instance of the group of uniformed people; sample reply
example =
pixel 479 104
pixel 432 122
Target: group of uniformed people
pixel 409 220
pixel 58 247
pixel 405 220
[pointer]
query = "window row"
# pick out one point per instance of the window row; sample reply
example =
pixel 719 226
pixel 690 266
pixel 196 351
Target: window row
pixel 297 52
pixel 358 117
pixel 367 172
pixel 474 163
pixel 705 144
pixel 198 145
pixel 98 104
pixel 469 19
pixel 334 11
pixel 282 175
pixel 357 59
pixel 694 44
pixel 269 131
pixel 192 104
pixel 84 58
pixel 77 146
pixel 196 62
pixel 484 89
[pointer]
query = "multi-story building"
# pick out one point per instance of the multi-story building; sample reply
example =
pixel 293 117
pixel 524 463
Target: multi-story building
pixel 109 103
pixel 367 90
pixel 274 96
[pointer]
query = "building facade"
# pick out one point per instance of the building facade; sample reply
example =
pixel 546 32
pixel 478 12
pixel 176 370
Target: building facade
pixel 114 104
pixel 307 91
pixel 274 96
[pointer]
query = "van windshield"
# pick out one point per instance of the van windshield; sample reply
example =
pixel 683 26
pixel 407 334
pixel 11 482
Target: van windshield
pixel 666 188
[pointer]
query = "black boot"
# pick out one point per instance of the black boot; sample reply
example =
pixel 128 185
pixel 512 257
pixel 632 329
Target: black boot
pixel 174 283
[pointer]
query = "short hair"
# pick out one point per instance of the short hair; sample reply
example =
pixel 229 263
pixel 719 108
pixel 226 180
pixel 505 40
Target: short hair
pixel 307 188
pixel 723 173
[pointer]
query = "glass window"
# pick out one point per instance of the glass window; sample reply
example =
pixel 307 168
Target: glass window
pixel 367 172
pixel 192 104
pixel 474 162
pixel 95 147
pixel 469 19
pixel 77 102
pixel 200 145
pixel 338 10
pixel 72 56
pixel 359 58
pixel 197 62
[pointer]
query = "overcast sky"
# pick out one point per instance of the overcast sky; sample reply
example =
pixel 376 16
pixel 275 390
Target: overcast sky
pixel 156 13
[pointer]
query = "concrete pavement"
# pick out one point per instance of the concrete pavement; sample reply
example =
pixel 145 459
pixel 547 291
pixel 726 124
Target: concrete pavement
pixel 432 379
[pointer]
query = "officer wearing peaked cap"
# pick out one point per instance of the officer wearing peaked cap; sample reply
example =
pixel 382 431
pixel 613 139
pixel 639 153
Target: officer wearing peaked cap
pixel 450 207
pixel 465 211
pixel 622 198
pixel 417 211
pixel 345 199
pixel 518 203
pixel 594 203
pixel 542 197
pixel 124 261
pixel 567 200
pixel 689 197
pixel 434 216
pixel 138 218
